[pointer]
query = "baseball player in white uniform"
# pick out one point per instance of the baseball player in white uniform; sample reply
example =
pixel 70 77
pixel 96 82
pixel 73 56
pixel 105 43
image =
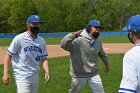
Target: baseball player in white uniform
pixel 131 62
pixel 26 52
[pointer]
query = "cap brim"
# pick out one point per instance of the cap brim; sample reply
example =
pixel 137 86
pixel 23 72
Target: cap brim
pixel 100 27
pixel 125 29
pixel 35 22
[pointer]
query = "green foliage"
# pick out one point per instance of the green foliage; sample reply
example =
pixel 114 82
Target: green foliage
pixel 66 15
pixel 4 15
pixel 60 79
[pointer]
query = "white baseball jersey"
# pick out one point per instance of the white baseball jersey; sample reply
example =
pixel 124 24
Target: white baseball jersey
pixel 27 55
pixel 131 71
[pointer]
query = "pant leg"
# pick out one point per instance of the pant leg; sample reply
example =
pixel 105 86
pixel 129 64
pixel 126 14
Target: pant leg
pixel 28 85
pixel 23 86
pixel 77 84
pixel 35 84
pixel 95 83
pixel 34 88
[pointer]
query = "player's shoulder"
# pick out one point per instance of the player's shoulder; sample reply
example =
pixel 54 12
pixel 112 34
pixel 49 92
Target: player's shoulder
pixel 128 52
pixel 99 39
pixel 19 36
pixel 41 39
pixel 131 52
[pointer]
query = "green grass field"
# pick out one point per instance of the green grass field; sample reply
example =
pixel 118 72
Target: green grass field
pixel 60 78
pixel 59 69
pixel 56 40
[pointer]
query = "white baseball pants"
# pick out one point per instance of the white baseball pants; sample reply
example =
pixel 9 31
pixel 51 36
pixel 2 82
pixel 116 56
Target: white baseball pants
pixel 29 85
pixel 95 83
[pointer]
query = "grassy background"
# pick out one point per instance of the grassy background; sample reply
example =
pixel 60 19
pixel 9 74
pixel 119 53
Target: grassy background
pixel 59 68
pixel 56 40
pixel 60 78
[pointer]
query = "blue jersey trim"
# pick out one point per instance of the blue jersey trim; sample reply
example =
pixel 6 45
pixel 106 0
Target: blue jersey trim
pixel 137 44
pixel 44 55
pixel 130 90
pixel 10 53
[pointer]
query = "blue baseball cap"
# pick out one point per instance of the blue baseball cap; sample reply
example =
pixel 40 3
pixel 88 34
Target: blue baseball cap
pixel 94 23
pixel 33 18
pixel 133 24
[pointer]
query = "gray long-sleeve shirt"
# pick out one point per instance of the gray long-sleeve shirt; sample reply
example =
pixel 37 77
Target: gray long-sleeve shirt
pixel 84 54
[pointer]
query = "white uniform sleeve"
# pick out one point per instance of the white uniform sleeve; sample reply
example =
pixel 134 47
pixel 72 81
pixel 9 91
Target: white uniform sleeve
pixel 45 53
pixel 14 46
pixel 129 81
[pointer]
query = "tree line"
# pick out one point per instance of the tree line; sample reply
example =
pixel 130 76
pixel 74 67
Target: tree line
pixel 66 15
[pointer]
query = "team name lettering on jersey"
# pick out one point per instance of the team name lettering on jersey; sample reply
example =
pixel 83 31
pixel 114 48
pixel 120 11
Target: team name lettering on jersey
pixel 33 48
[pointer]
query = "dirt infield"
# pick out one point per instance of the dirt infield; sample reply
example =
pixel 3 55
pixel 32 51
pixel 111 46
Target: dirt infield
pixel 56 51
